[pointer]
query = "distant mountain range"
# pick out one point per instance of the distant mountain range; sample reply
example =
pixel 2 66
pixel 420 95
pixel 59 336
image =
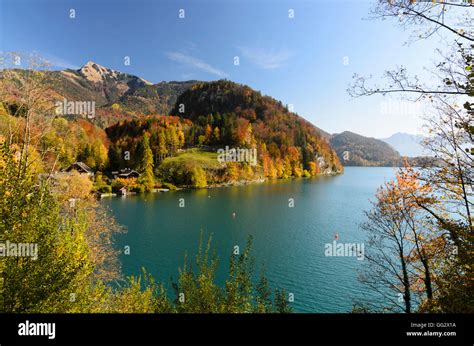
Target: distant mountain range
pixel 406 144
pixel 120 96
pixel 357 150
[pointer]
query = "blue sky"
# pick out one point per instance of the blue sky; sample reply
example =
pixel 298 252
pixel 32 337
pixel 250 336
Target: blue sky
pixel 299 60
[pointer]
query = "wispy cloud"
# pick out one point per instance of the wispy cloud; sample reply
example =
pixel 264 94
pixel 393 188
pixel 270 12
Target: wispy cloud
pixel 195 63
pixel 55 61
pixel 37 60
pixel 266 59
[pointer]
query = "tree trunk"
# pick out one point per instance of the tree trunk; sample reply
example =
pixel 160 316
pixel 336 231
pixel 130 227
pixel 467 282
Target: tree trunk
pixel 406 285
pixel 429 288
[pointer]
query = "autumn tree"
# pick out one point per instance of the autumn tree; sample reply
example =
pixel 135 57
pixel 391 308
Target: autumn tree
pixel 58 275
pixel 388 249
pixel 147 178
pixel 216 137
pixel 450 137
pixel 208 134
pixel 162 148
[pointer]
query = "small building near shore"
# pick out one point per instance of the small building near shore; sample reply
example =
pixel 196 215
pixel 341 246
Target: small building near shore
pixel 123 191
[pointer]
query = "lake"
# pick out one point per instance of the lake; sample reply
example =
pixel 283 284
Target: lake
pixel 291 222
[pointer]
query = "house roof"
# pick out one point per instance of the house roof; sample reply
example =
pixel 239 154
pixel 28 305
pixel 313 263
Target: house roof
pixel 128 173
pixel 82 166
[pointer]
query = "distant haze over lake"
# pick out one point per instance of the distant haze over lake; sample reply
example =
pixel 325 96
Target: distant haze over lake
pixel 406 144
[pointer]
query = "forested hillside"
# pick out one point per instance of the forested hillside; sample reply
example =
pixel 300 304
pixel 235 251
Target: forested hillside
pixel 243 117
pixel 169 132
pixel 357 150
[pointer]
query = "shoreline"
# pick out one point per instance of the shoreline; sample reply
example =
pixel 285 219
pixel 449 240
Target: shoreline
pixel 217 185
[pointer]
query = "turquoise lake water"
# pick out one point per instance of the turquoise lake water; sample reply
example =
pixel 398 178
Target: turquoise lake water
pixel 288 241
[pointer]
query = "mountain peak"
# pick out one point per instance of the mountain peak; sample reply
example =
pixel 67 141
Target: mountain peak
pixel 95 72
pixel 92 64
